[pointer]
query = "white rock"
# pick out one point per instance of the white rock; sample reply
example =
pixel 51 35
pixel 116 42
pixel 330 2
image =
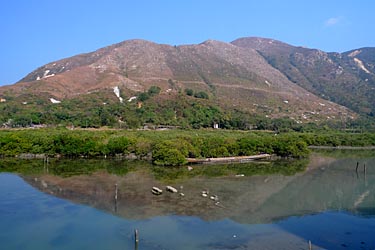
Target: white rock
pixel 54 100
pixel 132 98
pixel 214 197
pixel 156 191
pixel 171 189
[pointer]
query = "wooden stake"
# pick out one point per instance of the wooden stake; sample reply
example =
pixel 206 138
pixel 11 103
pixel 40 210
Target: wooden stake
pixel 136 238
pixel 356 169
pixel 310 246
pixel 116 191
pixel 364 168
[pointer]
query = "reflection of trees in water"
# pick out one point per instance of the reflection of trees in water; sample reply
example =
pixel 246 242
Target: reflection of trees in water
pixel 267 192
pixel 69 167
pixel 283 167
pixel 72 167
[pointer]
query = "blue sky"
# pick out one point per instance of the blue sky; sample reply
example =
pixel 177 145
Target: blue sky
pixel 36 32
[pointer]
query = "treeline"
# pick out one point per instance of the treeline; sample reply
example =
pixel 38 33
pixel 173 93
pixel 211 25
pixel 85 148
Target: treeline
pixel 168 147
pixel 163 147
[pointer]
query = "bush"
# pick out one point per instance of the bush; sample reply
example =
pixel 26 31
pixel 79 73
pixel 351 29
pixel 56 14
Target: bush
pixel 143 96
pixel 154 90
pixel 168 157
pixel 189 92
pixel 171 153
pixel 290 147
pixel 201 94
pixel 142 147
pixel 118 145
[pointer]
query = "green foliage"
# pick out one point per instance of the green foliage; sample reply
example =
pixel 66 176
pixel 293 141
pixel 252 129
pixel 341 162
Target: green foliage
pixel 100 109
pixel 290 147
pixel 213 147
pixel 189 92
pixel 154 90
pixel 169 153
pixel 74 145
pixel 170 147
pixel 249 146
pixel 118 145
pixel 14 144
pixel 143 96
pixel 201 94
pixel 142 147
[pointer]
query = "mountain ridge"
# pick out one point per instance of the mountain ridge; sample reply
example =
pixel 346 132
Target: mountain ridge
pixel 339 77
pixel 255 75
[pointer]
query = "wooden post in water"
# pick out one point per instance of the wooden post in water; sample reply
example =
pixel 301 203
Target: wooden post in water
pixel 136 239
pixel 116 191
pixel 116 196
pixel 310 246
pixel 364 168
pixel 356 169
pixel 45 163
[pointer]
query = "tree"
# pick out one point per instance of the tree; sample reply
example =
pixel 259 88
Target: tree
pixel 118 145
pixel 189 92
pixel 143 96
pixel 154 90
pixel 165 153
pixel 201 94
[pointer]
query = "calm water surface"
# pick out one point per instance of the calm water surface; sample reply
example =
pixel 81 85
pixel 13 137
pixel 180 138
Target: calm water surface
pixel 71 205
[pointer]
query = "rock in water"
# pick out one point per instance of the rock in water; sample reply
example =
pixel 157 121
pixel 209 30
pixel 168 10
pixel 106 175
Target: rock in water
pixel 156 191
pixel 171 189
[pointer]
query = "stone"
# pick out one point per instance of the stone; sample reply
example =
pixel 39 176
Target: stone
pixel 156 191
pixel 171 189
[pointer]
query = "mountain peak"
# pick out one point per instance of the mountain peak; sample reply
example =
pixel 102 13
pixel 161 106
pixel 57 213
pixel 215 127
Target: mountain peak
pixel 212 42
pixel 259 43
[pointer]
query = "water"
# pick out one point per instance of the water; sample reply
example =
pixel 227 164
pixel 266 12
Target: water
pixel 71 205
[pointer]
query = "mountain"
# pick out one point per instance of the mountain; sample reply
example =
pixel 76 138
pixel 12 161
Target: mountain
pixel 344 78
pixel 250 75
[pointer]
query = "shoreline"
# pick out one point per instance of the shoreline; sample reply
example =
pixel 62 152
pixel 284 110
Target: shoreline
pixel 343 147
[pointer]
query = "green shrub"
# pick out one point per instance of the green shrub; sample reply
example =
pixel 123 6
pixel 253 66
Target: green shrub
pixel 118 145
pixel 201 94
pixel 189 92
pixel 154 90
pixel 142 147
pixel 290 147
pixel 170 153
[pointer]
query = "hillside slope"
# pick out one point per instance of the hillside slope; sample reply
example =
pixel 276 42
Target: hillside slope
pixel 344 78
pixel 235 76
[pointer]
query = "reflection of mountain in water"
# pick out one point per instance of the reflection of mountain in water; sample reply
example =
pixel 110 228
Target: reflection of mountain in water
pixel 336 186
pixel 329 185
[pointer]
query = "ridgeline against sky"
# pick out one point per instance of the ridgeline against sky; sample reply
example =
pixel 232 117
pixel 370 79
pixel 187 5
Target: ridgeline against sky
pixel 37 32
